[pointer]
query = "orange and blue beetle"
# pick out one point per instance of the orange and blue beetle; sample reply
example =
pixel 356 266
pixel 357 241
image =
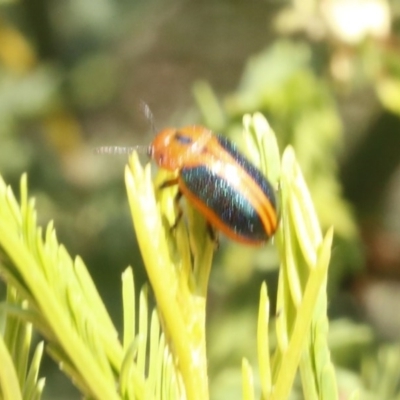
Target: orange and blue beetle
pixel 219 181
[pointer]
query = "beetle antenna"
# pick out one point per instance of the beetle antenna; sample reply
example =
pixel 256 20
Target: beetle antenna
pixel 146 110
pixel 118 150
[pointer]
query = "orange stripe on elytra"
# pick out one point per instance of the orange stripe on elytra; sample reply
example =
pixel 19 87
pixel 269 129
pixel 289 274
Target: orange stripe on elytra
pixel 214 218
pixel 209 152
pixel 254 194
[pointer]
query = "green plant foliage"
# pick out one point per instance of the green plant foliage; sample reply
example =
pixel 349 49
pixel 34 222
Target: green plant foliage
pixel 180 285
pixel 20 382
pixel 60 301
pixel 301 303
pixel 62 86
pixel 163 352
pixel 18 379
pixel 179 280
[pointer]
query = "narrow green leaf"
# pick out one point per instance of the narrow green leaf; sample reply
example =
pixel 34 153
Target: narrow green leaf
pixel 93 299
pixel 13 208
pixel 289 262
pixel 160 363
pixel 37 395
pixel 128 301
pixel 131 379
pixel 302 325
pixel 307 374
pixel 247 381
pixel 9 385
pixel 153 352
pixel 266 146
pixel 329 389
pixel 143 329
pixel 281 318
pixel 31 385
pixel 263 343
pixel 17 334
pixel 22 348
pixel 97 348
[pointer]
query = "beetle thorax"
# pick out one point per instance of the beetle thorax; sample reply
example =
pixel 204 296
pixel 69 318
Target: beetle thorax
pixel 174 149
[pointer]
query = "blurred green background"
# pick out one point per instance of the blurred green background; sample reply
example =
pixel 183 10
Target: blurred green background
pixel 325 73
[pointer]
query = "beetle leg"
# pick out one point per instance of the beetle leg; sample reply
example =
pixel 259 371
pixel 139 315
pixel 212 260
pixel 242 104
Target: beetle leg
pixel 211 231
pixel 213 235
pixel 180 212
pixel 168 183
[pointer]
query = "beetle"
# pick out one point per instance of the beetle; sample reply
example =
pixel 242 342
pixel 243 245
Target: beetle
pixel 219 181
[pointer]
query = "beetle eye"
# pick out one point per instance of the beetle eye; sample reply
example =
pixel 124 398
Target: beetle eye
pixel 183 139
